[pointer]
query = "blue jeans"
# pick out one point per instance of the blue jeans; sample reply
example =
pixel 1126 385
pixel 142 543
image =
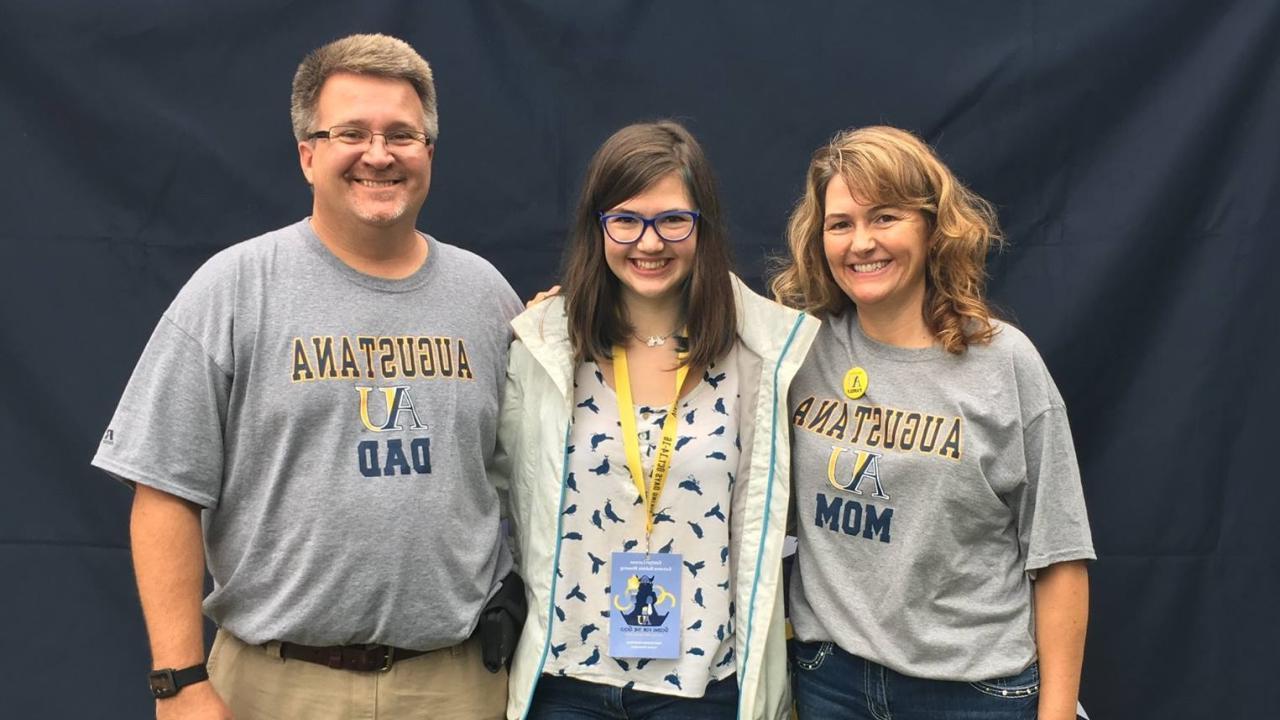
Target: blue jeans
pixel 829 684
pixel 564 698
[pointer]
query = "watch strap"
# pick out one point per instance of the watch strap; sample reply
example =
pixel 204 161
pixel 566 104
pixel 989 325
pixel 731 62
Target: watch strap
pixel 190 676
pixel 167 682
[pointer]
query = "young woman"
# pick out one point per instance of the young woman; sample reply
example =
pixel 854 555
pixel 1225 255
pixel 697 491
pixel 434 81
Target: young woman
pixel 941 523
pixel 645 432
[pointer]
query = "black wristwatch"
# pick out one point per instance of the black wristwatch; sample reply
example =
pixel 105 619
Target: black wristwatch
pixel 167 682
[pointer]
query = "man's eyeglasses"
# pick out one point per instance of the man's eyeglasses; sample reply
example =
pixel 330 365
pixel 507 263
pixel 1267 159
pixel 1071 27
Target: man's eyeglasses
pixel 356 135
pixel 671 226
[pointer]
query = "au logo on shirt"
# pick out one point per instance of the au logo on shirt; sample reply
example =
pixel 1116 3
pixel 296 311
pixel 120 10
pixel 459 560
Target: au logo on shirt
pixel 398 402
pixel 848 515
pixel 866 466
pixel 377 458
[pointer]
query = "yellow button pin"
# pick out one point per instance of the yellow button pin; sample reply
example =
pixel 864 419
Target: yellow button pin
pixel 855 383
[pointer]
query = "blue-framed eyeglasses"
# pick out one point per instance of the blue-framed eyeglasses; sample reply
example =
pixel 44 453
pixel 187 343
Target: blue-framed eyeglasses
pixel 627 228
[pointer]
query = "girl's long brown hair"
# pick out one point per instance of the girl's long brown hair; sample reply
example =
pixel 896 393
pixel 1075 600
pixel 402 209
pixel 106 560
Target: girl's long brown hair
pixel 628 163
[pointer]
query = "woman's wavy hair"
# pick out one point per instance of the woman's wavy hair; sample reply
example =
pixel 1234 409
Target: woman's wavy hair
pixel 628 163
pixel 891 166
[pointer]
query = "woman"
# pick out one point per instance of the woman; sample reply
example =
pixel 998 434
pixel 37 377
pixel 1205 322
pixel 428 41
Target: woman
pixel 644 428
pixel 936 488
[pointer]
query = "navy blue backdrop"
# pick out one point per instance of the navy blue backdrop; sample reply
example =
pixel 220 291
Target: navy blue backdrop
pixel 1131 149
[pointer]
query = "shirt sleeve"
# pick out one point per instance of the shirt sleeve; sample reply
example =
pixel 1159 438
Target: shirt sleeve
pixel 167 431
pixel 1053 525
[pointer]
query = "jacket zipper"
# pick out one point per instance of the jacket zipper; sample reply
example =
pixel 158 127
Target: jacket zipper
pixel 555 563
pixel 768 500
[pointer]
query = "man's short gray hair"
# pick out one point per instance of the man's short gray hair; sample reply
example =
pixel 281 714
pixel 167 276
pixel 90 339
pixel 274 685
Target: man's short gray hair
pixel 377 55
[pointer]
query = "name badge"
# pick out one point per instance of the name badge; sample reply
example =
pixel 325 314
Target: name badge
pixel 644 605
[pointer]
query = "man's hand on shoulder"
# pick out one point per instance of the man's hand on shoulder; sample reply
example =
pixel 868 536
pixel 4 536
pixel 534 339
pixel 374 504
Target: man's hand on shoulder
pixel 194 702
pixel 544 295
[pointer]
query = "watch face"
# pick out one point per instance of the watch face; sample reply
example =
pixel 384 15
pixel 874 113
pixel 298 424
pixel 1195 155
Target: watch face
pixel 162 684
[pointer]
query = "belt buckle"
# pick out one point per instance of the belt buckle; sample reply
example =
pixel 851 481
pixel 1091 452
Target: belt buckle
pixel 335 658
pixel 388 660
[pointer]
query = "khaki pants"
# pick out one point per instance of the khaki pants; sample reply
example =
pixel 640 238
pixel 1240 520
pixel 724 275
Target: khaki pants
pixel 257 684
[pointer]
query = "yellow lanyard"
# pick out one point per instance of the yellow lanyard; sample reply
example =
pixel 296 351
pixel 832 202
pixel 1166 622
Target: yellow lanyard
pixel 631 440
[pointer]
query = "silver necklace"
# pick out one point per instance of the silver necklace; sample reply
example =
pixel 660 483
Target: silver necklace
pixel 657 340
pixel 654 340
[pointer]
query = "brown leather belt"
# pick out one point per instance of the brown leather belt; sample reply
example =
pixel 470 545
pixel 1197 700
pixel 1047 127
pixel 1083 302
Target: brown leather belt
pixel 362 658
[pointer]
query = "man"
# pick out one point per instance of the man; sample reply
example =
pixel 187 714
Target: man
pixel 316 410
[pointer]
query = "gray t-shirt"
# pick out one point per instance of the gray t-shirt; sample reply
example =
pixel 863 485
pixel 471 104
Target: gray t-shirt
pixel 336 428
pixel 925 506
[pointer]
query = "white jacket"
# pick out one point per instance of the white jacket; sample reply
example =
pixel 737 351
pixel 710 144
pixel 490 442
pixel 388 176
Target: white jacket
pixel 533 432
